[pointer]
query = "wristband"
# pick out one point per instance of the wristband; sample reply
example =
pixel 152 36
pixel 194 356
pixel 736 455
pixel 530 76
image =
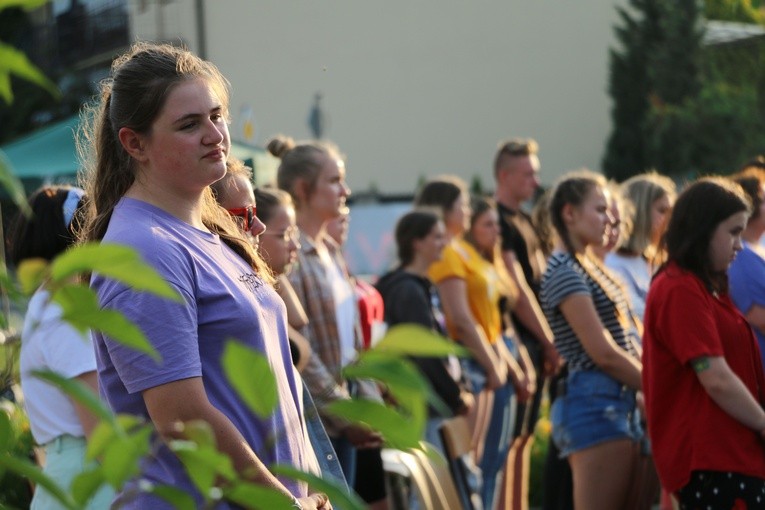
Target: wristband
pixel 296 504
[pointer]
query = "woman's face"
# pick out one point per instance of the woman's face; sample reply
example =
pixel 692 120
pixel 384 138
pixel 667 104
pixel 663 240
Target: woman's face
pixel 613 229
pixel 431 247
pixel 337 228
pixel 279 243
pixel 660 210
pixel 587 222
pixel 239 201
pixel 327 199
pixel 457 218
pixel 485 230
pixel 188 144
pixel 726 241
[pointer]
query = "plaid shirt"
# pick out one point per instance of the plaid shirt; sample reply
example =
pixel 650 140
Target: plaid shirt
pixel 323 372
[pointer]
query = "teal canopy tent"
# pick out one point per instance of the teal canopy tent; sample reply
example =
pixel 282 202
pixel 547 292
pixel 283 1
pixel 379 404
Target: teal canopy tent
pixel 50 155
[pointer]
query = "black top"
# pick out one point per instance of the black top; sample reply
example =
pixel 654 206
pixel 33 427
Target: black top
pixel 520 236
pixel 411 299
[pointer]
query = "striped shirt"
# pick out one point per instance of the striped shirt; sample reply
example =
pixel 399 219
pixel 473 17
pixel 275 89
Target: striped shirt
pixel 565 277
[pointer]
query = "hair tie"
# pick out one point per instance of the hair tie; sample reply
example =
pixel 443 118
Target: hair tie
pixel 73 198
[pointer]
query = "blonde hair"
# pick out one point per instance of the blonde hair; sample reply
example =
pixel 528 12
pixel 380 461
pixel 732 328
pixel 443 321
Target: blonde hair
pixel 641 192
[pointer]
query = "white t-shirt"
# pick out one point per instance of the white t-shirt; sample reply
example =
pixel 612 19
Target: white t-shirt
pixel 345 307
pixel 636 274
pixel 49 343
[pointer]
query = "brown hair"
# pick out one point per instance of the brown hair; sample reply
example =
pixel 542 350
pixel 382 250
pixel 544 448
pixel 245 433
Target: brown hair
pixel 514 147
pixel 301 160
pixel 752 179
pixel 441 192
pixel 413 226
pixel 133 96
pixel 268 199
pixel 641 192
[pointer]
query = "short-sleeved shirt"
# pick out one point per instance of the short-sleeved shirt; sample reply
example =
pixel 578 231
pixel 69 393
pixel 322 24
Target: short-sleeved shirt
pixel 222 299
pixel 746 278
pixel 520 236
pixel 688 430
pixel 484 287
pixel 635 272
pixel 50 343
pixel 566 277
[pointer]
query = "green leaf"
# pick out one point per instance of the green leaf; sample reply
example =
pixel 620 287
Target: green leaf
pixel 30 471
pixel 199 432
pixel 257 497
pixel 250 374
pixel 203 465
pixel 79 391
pixel 337 493
pixel 8 181
pixel 108 431
pixel 7 434
pixel 402 378
pixel 14 61
pixel 415 340
pixel 31 273
pixel 121 458
pixel 81 310
pixel 176 497
pixel 27 5
pixel 398 431
pixel 86 484
pixel 114 261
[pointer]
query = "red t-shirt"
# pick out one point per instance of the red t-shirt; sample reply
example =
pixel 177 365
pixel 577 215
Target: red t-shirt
pixel 688 430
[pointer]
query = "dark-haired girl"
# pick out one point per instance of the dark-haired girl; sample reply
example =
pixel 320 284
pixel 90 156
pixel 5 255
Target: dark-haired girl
pixel 59 424
pixel 411 298
pixel 703 378
pixel 594 420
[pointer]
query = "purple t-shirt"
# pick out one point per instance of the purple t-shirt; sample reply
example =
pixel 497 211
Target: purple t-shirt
pixel 223 299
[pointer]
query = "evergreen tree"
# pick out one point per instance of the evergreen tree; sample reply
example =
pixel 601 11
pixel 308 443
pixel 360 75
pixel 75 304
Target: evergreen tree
pixel 630 88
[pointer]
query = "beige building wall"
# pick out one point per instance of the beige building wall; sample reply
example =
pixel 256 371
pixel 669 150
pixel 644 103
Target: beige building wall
pixel 415 88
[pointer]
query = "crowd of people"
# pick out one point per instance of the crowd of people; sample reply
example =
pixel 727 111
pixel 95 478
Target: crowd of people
pixel 625 303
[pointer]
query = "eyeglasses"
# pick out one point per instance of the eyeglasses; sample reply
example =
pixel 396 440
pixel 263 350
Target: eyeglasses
pixel 245 213
pixel 289 234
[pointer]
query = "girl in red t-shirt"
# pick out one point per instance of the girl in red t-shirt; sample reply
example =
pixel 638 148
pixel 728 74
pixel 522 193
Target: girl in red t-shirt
pixel 702 378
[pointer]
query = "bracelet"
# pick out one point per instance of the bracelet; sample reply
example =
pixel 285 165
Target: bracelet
pixel 296 504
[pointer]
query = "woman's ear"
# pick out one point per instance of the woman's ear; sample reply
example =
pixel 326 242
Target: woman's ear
pixel 301 190
pixel 567 213
pixel 133 143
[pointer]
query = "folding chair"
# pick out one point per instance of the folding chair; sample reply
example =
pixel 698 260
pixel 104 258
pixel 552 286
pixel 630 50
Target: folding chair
pixel 466 475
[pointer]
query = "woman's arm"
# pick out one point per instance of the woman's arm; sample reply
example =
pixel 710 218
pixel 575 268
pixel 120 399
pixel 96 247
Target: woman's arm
pixel 87 419
pixel 185 400
pixel 453 292
pixel 756 318
pixel 579 311
pixel 524 385
pixel 726 389
pixel 530 314
pixel 302 345
pixel 296 316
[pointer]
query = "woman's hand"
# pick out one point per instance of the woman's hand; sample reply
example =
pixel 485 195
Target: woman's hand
pixel 468 401
pixel 317 501
pixel 496 377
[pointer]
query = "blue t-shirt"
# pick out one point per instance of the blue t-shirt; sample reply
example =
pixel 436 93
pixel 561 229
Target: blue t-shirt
pixel 223 299
pixel 746 281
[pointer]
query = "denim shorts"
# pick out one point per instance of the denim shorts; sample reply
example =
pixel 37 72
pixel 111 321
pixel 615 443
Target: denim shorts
pixel 475 374
pixel 594 408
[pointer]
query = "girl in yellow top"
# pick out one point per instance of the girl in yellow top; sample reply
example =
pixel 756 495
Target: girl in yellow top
pixel 472 286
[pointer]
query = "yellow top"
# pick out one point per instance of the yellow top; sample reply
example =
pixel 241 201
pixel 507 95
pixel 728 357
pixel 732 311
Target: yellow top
pixel 486 284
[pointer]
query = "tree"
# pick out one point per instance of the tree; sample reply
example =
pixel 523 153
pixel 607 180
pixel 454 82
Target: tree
pixel 629 87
